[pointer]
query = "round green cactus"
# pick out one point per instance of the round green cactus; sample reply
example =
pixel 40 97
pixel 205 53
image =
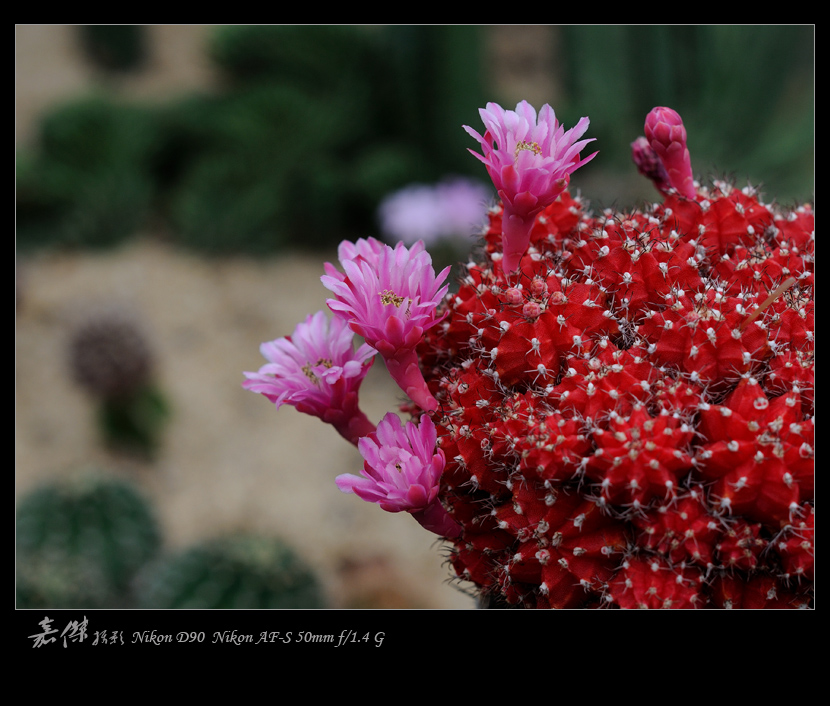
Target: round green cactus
pixel 242 571
pixel 81 541
pixel 58 580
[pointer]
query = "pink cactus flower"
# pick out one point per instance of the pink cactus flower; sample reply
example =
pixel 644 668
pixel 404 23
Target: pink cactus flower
pixel 530 166
pixel 401 472
pixel 317 371
pixel 391 301
pixel 667 137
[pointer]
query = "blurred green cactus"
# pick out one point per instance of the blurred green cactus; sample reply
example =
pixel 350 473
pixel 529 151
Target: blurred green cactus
pixel 746 93
pixel 89 181
pixel 80 542
pixel 110 357
pixel 57 580
pixel 241 571
pixel 305 115
pixel 114 47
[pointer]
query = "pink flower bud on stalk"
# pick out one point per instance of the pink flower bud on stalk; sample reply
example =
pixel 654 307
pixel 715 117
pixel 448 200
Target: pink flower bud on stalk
pixel 667 137
pixel 530 166
pixel 390 297
pixel 317 371
pixel 649 164
pixel 401 472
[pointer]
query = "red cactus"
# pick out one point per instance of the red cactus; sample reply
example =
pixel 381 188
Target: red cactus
pixel 796 546
pixel 653 583
pixel 625 409
pixel 653 368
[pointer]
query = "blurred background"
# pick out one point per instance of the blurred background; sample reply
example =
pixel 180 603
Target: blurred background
pixel 178 190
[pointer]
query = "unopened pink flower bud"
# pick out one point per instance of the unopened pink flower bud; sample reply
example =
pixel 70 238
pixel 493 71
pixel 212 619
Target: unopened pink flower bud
pixel 514 296
pixel 649 164
pixel 667 137
pixel 531 310
pixel 538 287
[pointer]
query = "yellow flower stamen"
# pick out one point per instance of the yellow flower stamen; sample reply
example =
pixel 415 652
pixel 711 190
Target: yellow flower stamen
pixel 308 369
pixel 524 145
pixel 389 297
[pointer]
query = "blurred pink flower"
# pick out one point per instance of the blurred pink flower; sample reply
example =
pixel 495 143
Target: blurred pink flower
pixel 530 166
pixel 317 371
pixel 451 209
pixel 391 301
pixel 667 137
pixel 402 472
